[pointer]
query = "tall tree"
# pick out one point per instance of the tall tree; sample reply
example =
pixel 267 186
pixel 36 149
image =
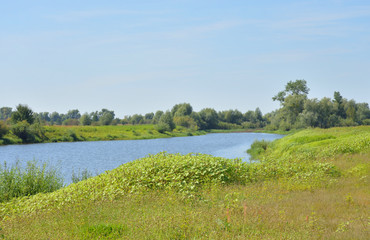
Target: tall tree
pixel 73 114
pixel 85 119
pixel 210 118
pixel 23 113
pixel 297 87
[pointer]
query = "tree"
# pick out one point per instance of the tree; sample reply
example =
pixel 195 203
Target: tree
pixel 85 119
pixel 166 123
pixel 338 101
pixel 23 113
pixel 55 118
pixel 5 113
pixel 185 121
pixel 363 112
pixel 297 87
pixel 106 118
pixel 73 114
pixel 293 105
pixel 231 116
pixel 22 130
pixel 183 109
pixel 210 118
pixel 3 129
pixel 350 108
pixel 149 117
pixel 136 119
pixel 157 116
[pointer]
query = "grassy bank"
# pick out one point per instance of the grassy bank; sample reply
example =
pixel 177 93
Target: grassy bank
pixel 309 185
pixel 101 133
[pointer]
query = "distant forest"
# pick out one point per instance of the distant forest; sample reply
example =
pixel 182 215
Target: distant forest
pixel 296 111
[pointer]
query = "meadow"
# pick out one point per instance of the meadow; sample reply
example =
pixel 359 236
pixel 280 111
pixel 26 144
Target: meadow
pixel 312 184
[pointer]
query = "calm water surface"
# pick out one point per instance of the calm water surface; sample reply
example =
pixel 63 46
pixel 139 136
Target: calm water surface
pixel 98 157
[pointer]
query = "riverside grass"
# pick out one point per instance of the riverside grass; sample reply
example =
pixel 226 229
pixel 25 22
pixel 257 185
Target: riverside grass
pixel 309 185
pixel 102 133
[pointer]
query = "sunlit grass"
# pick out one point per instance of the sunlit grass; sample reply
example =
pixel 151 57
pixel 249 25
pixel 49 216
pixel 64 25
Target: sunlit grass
pixel 310 185
pixel 120 132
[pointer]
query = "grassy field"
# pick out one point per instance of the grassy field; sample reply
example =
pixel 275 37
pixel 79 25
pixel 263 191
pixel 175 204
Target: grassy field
pixel 313 184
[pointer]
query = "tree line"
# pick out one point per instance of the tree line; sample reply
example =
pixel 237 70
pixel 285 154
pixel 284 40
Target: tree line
pixel 296 111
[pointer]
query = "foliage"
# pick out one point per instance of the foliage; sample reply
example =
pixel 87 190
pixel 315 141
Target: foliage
pixel 183 109
pixel 71 122
pixel 85 119
pixel 209 118
pixel 23 113
pixel 106 117
pixel 17 181
pixel 185 121
pixel 166 123
pixel 81 175
pixel 258 147
pixel 3 129
pixel 23 131
pixel 5 113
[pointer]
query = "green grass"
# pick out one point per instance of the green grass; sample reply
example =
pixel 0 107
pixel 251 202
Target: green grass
pixel 102 133
pixel 18 181
pixel 313 184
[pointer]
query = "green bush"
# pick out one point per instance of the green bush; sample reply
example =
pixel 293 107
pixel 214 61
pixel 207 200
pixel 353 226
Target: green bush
pixel 3 129
pixel 16 181
pixel 366 122
pixel 258 148
pixel 23 131
pixel 163 127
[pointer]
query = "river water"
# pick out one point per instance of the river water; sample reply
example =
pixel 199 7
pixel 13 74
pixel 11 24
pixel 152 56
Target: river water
pixel 100 156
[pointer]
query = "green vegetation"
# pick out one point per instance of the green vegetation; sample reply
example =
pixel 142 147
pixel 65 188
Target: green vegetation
pixel 312 184
pixel 81 175
pixel 17 181
pixel 297 112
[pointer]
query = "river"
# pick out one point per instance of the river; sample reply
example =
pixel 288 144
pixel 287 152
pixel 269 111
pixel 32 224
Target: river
pixel 100 156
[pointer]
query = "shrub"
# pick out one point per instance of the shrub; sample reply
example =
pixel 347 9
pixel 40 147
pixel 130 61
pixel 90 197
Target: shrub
pixel 258 148
pixel 366 122
pixel 71 122
pixel 185 121
pixel 23 131
pixel 163 127
pixel 225 125
pixel 16 181
pixel 3 129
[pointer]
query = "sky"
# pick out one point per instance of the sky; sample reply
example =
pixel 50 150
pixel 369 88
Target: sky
pixel 143 56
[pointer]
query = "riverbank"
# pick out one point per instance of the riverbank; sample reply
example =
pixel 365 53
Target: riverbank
pixel 118 132
pixel 309 185
pixel 101 133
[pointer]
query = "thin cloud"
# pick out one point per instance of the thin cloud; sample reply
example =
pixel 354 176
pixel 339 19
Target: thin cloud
pixel 89 14
pixel 204 29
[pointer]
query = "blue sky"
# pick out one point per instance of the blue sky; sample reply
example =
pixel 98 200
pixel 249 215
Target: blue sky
pixel 142 56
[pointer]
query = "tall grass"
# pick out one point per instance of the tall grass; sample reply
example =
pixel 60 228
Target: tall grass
pixel 81 175
pixel 18 181
pixel 257 148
